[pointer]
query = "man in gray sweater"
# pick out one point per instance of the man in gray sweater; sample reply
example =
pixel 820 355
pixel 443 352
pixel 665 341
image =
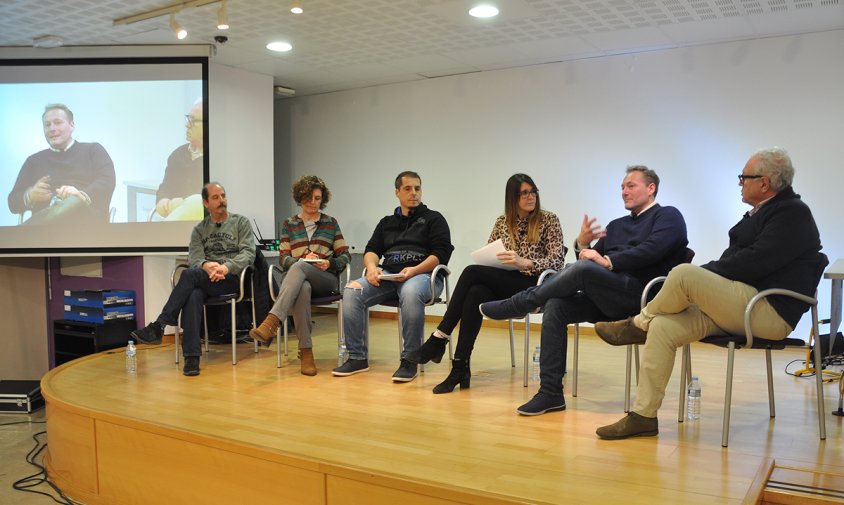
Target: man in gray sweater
pixel 221 246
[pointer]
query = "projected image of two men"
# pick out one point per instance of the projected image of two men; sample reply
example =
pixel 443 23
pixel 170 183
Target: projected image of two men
pixel 101 155
pixel 119 162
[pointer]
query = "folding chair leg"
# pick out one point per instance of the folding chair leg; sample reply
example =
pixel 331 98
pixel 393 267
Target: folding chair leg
pixel 234 334
pixel 636 354
pixel 205 327
pixel 286 334
pixel 819 377
pixel 178 331
pixel 685 361
pixel 401 340
pixel 771 407
pixel 728 394
pixel 512 345
pixel 278 337
pixel 627 378
pixel 254 322
pixel 574 358
pixel 527 350
pixel 341 340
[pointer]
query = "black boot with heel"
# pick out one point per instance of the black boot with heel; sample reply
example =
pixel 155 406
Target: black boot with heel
pixel 460 374
pixel 432 350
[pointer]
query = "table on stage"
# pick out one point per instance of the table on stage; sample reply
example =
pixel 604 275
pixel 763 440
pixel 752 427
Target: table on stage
pixel 835 273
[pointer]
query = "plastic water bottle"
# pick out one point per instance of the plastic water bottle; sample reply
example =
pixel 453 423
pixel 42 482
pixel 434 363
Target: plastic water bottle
pixel 535 370
pixel 343 356
pixel 131 357
pixel 694 400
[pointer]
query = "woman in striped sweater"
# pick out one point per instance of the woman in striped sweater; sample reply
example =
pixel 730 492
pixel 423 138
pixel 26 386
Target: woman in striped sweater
pixel 312 253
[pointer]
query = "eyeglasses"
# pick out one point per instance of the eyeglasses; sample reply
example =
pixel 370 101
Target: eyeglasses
pixel 192 120
pixel 742 177
pixel 526 193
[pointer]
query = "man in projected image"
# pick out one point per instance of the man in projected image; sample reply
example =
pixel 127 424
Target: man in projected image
pixel 176 198
pixel 70 181
pixel 221 246
pixel 413 240
pixel 604 284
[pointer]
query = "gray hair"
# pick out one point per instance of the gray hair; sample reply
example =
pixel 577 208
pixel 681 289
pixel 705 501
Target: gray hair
pixel 775 164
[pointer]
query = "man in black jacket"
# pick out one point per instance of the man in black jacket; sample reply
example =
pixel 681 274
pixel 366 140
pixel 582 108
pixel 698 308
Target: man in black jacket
pixel 776 244
pixel 412 241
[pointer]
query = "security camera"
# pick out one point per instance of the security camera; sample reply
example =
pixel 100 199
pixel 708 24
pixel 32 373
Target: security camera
pixel 221 39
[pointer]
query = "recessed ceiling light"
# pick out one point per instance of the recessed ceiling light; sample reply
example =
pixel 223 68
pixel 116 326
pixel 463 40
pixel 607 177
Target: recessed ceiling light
pixel 281 47
pixel 483 11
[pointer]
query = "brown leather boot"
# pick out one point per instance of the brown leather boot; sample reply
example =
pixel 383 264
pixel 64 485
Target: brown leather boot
pixel 266 332
pixel 308 367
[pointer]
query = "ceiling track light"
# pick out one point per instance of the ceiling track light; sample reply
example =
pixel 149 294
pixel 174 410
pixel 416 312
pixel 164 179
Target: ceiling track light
pixel 178 29
pixel 173 8
pixel 296 7
pixel 223 17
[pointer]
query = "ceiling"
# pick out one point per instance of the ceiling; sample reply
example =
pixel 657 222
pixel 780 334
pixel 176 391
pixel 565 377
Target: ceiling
pixel 347 44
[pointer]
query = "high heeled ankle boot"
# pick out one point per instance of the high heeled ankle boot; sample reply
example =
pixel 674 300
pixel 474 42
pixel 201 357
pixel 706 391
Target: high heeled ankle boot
pixel 460 374
pixel 432 350
pixel 265 333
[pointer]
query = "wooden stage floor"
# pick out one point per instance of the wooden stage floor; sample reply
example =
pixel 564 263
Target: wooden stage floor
pixel 254 434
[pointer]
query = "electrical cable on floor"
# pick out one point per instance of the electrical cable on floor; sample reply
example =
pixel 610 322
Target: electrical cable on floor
pixel 23 422
pixel 804 373
pixel 27 483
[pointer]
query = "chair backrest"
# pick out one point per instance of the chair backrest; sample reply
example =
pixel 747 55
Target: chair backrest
pixel 821 262
pixel 653 287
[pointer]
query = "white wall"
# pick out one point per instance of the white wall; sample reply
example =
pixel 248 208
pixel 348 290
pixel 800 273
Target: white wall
pixel 241 136
pixel 240 126
pixel 694 115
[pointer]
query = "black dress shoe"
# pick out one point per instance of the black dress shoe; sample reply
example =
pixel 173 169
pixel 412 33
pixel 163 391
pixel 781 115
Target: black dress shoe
pixel 501 310
pixel 542 403
pixel 191 366
pixel 149 334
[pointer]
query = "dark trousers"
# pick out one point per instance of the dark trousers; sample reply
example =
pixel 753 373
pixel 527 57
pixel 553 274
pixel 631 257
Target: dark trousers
pixel 476 285
pixel 582 292
pixel 187 297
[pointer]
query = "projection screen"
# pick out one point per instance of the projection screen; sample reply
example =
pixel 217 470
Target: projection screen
pixel 123 175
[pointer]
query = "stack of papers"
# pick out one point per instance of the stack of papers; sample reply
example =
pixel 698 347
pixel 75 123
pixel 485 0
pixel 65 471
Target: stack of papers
pixel 486 256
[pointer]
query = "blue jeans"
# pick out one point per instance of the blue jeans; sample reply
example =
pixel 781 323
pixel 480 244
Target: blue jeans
pixel 411 295
pixel 582 292
pixel 188 297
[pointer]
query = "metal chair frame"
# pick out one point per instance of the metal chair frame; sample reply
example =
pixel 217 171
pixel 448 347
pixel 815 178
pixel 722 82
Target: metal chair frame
pixel 333 300
pixel 511 324
pixel 733 342
pixel 446 273
pixel 229 299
